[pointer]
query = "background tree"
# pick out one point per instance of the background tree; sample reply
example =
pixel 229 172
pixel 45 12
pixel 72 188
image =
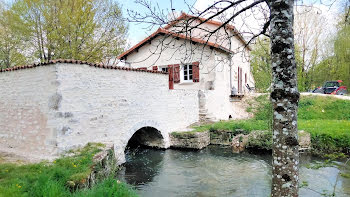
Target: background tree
pixel 91 30
pixel 342 49
pixel 336 64
pixel 11 40
pixel 261 64
pixel 310 29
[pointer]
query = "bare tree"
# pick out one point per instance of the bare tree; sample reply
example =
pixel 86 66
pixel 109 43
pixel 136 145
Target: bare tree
pixel 278 18
pixel 310 29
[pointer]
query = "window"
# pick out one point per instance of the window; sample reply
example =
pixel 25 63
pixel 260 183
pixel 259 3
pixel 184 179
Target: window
pixel 165 69
pixel 187 72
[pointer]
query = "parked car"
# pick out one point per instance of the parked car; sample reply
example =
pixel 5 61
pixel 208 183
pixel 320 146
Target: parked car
pixel 332 87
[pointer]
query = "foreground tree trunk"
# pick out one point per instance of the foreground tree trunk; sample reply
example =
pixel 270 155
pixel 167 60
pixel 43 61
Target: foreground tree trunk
pixel 284 98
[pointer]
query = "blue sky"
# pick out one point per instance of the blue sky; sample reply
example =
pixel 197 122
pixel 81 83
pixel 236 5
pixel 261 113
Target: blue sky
pixel 138 32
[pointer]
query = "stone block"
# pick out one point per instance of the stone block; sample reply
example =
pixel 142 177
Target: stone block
pixel 191 140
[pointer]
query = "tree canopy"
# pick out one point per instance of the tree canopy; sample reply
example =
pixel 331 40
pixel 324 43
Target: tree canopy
pixel 41 30
pixel 313 67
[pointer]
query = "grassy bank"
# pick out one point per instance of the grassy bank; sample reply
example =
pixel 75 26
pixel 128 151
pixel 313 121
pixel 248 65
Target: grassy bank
pixel 326 119
pixel 51 179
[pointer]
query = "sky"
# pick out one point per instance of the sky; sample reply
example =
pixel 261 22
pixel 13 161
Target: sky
pixel 138 32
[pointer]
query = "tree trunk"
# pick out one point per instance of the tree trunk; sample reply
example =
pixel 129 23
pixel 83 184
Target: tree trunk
pixel 284 98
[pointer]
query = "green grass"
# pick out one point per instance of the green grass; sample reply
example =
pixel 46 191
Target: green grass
pixel 326 119
pixel 246 125
pixel 323 108
pixel 107 188
pixel 50 179
pixel 328 136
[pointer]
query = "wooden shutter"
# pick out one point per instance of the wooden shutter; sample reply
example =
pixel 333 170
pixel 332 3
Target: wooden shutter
pixel 195 71
pixel 171 77
pixel 176 73
pixel 142 68
pixel 155 68
pixel 239 80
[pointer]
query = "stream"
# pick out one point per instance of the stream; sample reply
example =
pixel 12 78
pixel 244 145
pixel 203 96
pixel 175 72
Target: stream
pixel 217 171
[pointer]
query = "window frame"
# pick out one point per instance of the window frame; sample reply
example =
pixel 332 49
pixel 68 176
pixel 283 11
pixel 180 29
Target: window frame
pixel 166 69
pixel 160 68
pixel 186 72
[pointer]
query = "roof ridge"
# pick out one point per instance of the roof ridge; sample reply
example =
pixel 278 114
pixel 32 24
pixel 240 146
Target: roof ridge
pixel 73 61
pixel 179 35
pixel 183 15
pixel 211 21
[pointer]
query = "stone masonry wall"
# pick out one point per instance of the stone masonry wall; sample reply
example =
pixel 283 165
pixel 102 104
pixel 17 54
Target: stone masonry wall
pixel 48 110
pixel 28 101
pixel 111 106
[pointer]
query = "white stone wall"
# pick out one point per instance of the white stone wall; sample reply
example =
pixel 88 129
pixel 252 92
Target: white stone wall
pixel 28 102
pixel 239 59
pixel 164 51
pixel 214 71
pixel 109 105
pixel 95 105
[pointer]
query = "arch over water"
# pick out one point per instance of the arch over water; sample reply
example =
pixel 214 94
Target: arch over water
pixel 147 136
pixel 147 133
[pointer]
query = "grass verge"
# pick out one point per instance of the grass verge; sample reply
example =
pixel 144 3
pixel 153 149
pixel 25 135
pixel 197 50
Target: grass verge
pixel 326 119
pixel 50 179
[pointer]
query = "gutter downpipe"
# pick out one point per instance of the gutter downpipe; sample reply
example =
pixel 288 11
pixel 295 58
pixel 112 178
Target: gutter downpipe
pixel 230 59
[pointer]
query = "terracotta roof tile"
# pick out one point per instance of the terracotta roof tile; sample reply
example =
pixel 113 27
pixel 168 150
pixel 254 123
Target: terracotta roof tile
pixel 184 16
pixel 71 61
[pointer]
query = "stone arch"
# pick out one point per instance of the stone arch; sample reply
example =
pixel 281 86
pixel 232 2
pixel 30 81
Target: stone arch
pixel 146 136
pixel 157 132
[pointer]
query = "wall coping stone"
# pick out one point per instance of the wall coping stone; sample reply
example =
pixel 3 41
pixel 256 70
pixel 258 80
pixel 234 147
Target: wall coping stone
pixel 72 61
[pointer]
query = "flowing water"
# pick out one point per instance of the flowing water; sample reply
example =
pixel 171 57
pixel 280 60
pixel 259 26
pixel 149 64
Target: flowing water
pixel 216 171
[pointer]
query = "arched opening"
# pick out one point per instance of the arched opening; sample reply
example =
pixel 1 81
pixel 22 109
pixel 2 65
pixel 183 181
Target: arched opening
pixel 146 136
pixel 138 168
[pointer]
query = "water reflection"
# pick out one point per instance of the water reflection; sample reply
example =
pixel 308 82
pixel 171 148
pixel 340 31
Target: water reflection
pixel 142 165
pixel 216 171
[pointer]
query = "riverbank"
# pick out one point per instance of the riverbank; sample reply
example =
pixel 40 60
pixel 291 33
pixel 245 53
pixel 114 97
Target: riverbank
pixel 326 119
pixel 88 171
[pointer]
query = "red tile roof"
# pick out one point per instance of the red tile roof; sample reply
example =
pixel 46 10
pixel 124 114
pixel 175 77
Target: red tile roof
pixel 166 32
pixel 184 16
pixel 70 61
